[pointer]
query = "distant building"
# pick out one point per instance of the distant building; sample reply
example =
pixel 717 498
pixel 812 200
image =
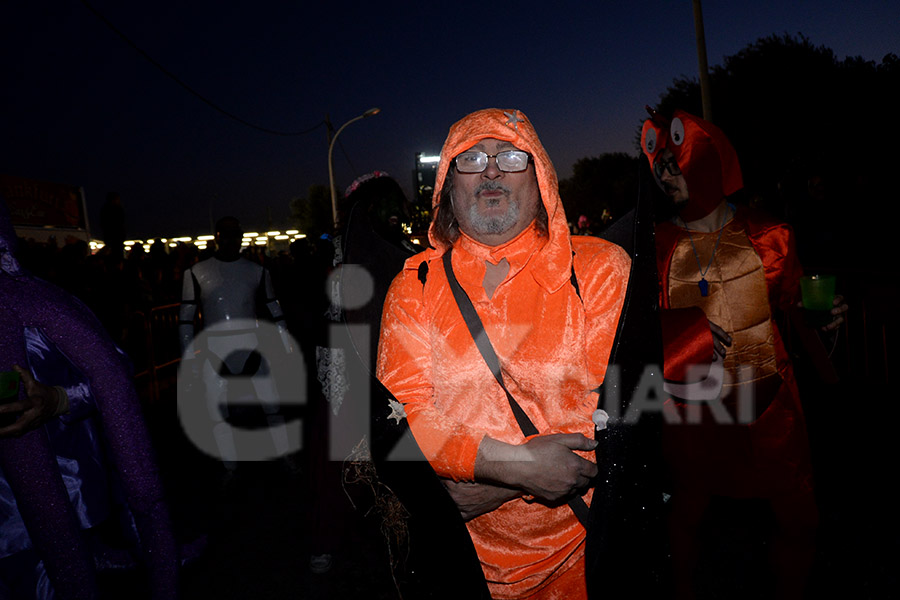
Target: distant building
pixel 41 210
pixel 423 183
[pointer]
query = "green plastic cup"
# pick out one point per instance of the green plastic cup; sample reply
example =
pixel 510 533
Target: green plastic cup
pixel 817 293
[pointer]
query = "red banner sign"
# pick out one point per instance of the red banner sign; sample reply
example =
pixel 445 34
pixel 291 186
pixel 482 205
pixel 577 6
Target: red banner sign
pixel 41 204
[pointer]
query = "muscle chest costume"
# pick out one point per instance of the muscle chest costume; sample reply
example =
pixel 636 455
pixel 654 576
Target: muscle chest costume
pixel 228 292
pixel 553 348
pixel 753 276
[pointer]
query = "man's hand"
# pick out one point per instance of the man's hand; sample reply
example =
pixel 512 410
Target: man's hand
pixel 475 499
pixel 40 405
pixel 545 467
pixel 837 312
pixel 840 307
pixel 721 339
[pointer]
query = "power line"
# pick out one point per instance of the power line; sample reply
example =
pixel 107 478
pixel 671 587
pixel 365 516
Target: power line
pixel 177 80
pixel 346 156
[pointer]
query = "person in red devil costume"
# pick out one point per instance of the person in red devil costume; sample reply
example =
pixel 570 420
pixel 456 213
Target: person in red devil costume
pixel 735 425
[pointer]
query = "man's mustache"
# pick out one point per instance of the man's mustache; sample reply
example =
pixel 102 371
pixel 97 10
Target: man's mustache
pixel 669 188
pixel 490 186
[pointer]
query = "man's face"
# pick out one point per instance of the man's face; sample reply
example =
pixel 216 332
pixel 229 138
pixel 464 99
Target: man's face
pixel 228 240
pixel 494 206
pixel 675 186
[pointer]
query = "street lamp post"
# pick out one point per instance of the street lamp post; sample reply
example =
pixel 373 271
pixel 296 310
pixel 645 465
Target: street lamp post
pixel 700 35
pixel 334 210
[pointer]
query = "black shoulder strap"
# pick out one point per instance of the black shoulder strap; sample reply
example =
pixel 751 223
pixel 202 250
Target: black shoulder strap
pixel 476 329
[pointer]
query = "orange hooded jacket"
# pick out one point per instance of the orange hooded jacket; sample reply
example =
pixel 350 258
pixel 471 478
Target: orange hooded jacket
pixel 553 349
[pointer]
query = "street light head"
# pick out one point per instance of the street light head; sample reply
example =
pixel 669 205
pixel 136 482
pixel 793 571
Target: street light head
pixel 334 209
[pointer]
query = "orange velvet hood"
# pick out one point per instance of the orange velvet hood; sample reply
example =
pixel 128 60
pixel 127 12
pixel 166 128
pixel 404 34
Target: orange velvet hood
pixel 511 125
pixel 706 158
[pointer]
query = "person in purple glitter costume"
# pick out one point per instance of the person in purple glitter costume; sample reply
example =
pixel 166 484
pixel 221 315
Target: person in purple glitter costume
pixel 41 326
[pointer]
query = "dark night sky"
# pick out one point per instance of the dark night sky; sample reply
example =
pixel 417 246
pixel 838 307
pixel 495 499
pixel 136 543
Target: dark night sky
pixel 78 105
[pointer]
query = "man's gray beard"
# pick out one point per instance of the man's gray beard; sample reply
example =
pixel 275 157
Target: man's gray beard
pixel 498 223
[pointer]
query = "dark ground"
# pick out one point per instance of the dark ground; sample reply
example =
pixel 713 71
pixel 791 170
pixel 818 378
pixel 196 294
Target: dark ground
pixel 258 529
pixel 258 526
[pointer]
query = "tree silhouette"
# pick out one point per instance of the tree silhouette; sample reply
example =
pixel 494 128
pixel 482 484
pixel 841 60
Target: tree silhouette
pixel 604 183
pixel 312 213
pixel 813 135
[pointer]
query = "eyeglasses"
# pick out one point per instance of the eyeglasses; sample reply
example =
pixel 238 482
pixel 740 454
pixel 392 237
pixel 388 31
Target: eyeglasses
pixel 508 161
pixel 666 165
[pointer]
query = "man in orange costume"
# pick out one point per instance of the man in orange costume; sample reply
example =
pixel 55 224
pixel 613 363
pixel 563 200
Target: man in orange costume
pixel 552 324
pixel 741 269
